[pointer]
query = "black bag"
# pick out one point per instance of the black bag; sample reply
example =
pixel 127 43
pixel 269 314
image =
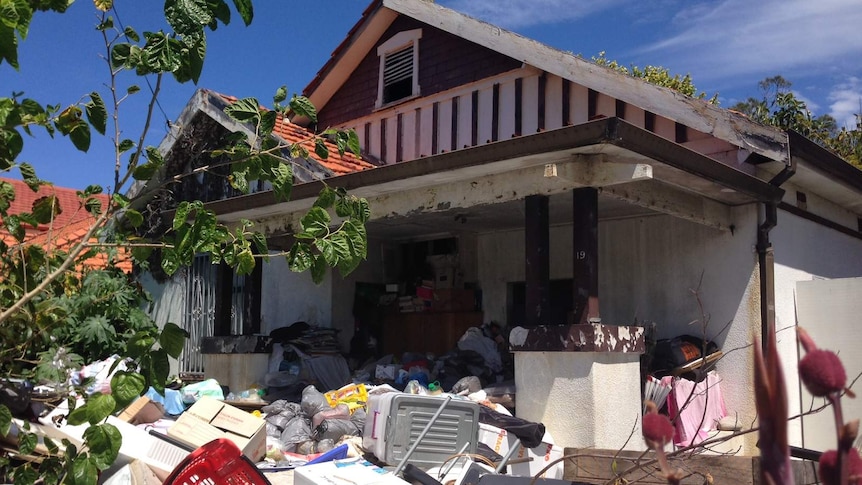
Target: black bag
pixel 528 432
pixel 678 351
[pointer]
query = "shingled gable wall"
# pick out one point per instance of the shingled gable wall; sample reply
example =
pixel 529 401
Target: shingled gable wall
pixel 445 61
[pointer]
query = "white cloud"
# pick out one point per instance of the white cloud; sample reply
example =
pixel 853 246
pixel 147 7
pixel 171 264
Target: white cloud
pixel 845 100
pixel 513 14
pixel 738 37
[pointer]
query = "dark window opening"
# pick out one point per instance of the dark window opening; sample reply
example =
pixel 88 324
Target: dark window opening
pixel 398 90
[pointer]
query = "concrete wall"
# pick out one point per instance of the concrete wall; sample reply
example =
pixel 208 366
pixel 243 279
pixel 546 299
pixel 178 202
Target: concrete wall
pixel 806 251
pixel 289 297
pixel 169 302
pixel 559 389
pixel 648 267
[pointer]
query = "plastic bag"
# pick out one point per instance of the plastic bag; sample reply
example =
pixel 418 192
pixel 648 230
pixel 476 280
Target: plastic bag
pixel 335 429
pixel 297 431
pixel 209 387
pixel 340 411
pixel 313 401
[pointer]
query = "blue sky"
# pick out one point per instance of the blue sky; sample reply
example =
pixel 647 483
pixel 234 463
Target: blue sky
pixel 726 45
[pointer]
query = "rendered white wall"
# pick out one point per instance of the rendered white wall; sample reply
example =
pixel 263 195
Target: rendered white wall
pixel 289 297
pixel 647 268
pixel 804 251
pixel 563 390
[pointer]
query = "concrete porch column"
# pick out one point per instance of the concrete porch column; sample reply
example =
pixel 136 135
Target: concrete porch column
pixel 582 382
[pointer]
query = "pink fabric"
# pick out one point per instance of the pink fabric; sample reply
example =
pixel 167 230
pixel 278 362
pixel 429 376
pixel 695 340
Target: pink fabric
pixel 690 404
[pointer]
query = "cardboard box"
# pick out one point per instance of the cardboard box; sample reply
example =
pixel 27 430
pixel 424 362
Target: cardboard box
pixel 210 418
pixel 159 455
pixel 143 410
pixel 501 440
pixel 350 471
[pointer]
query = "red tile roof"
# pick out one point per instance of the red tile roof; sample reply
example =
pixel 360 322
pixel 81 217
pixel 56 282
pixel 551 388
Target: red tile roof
pixel 71 210
pixel 292 133
pixel 67 228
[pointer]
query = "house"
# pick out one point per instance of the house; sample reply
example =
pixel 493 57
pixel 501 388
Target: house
pixel 69 226
pixel 568 194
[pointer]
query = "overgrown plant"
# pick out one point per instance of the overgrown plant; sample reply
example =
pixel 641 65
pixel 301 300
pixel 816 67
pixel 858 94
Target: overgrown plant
pixel 658 75
pixel 53 306
pixel 779 106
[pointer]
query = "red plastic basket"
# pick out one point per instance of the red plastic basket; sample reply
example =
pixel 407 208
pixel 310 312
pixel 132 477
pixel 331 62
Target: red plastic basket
pixel 218 462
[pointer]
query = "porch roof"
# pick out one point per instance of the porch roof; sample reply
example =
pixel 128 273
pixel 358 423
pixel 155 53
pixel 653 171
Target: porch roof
pixel 628 163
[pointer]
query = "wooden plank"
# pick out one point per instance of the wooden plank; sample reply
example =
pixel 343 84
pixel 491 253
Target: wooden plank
pixel 540 102
pixel 579 104
pixel 606 105
pixel 519 106
pixel 595 466
pixel 531 101
pixel 486 112
pixel 399 136
pixel 495 113
pixel 554 102
pixel 426 122
pixel 507 124
pixel 453 132
pixel 408 140
pixel 444 126
pixel 383 145
pixel 435 128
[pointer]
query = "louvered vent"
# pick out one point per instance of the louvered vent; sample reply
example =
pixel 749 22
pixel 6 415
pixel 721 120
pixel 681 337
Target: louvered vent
pixel 398 75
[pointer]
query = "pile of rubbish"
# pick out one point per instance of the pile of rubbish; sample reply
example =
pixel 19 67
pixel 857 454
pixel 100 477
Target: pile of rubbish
pixel 374 424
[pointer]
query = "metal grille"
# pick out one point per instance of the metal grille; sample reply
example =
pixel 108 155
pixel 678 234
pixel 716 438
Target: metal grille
pixel 200 312
pixel 237 306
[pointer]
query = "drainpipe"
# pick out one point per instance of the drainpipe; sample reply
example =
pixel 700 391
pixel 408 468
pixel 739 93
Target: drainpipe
pixel 765 256
pixel 766 261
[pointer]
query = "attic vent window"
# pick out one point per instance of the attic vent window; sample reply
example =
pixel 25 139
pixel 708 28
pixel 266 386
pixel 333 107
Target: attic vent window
pixel 399 67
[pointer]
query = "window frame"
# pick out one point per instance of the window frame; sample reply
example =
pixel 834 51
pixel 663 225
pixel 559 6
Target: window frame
pixel 396 43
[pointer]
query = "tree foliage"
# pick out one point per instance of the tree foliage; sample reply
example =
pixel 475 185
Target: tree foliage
pixel 55 310
pixel 780 107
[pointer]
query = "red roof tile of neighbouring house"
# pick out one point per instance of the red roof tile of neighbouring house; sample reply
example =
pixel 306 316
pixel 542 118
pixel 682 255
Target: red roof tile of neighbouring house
pixel 67 228
pixel 292 133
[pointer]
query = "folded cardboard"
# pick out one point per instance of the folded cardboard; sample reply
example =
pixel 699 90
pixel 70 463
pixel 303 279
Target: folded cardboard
pixel 210 418
pixel 143 410
pixel 350 471
pixel 501 441
pixel 160 456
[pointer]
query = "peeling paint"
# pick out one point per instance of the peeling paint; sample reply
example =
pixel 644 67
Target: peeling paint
pixel 579 338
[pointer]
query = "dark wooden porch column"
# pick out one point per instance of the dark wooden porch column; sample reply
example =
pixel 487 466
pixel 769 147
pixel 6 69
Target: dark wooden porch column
pixel 538 280
pixel 585 221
